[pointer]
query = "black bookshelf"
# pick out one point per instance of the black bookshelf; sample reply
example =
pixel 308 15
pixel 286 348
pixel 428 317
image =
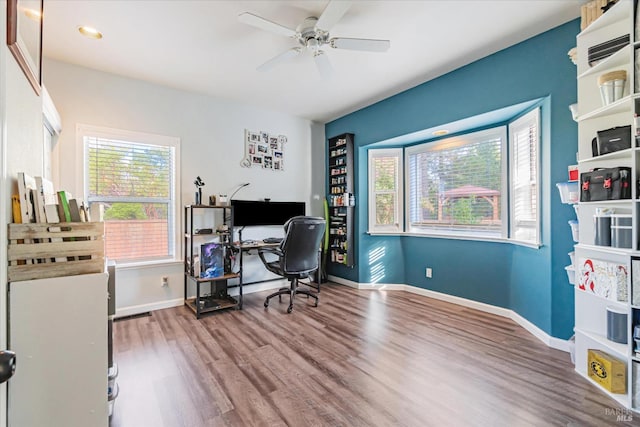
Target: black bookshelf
pixel 341 199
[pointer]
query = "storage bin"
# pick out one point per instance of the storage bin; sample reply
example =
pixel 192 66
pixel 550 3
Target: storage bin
pixel 571 274
pixel 621 220
pixel 79 244
pixel 572 257
pixel 574 230
pixel 621 231
pixel 617 325
pixel 573 173
pixel 569 191
pixel 602 230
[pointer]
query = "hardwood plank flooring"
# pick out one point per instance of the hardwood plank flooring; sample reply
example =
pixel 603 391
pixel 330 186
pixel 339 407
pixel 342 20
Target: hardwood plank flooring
pixel 361 358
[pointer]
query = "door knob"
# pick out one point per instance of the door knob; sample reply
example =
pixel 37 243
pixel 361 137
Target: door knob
pixel 7 365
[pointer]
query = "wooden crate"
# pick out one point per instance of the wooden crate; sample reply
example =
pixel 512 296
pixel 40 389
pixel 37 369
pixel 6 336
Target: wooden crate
pixel 38 251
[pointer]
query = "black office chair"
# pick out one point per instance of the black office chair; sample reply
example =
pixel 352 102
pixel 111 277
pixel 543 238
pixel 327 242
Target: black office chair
pixel 297 255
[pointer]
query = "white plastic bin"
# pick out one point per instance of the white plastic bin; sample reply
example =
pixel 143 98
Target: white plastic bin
pixel 572 257
pixel 571 274
pixel 569 192
pixel 574 230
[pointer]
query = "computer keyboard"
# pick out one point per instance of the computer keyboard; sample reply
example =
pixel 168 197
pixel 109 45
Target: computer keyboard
pixel 272 240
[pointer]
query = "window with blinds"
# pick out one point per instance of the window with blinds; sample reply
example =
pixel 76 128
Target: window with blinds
pixel 456 187
pixel 523 145
pixel 136 183
pixel 385 190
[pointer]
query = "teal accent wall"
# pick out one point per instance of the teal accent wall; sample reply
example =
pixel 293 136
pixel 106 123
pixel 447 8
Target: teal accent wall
pixel 530 281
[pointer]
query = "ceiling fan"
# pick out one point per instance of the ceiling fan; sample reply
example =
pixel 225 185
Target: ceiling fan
pixel 312 35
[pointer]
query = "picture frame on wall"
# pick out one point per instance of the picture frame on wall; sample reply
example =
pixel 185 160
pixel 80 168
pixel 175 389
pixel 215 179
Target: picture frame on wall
pixel 24 38
pixel 268 162
pixel 264 150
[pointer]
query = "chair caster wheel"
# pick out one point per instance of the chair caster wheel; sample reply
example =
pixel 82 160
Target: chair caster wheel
pixel 289 310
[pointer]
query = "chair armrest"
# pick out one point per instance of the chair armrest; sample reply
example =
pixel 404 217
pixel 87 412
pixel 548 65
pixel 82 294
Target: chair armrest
pixel 273 251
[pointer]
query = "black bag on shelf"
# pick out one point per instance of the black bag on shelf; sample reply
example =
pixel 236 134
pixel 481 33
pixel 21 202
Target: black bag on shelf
pixel 605 184
pixel 610 140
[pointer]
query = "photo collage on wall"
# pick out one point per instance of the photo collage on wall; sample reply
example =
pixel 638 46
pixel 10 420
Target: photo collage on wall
pixel 264 150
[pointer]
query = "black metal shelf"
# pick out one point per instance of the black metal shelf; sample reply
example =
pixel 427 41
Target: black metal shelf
pixel 218 286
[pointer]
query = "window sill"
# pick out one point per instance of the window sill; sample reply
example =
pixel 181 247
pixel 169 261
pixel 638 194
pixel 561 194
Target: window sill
pixel 457 237
pixel 148 264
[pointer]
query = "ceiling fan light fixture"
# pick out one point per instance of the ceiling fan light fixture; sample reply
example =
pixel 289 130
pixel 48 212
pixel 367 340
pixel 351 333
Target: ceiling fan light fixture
pixel 90 32
pixel 440 132
pixel 312 43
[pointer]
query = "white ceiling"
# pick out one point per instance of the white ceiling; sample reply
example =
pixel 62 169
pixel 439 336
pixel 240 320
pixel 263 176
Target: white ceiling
pixel 200 46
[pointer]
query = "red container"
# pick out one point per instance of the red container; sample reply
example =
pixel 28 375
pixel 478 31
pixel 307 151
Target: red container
pixel 573 173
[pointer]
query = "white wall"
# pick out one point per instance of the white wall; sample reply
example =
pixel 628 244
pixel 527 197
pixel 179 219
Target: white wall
pixel 211 132
pixel 20 151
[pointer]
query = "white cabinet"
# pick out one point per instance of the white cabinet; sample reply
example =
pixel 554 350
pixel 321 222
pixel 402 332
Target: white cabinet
pixel 58 329
pixel 591 306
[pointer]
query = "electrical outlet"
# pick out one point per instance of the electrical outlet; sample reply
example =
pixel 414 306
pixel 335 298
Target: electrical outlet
pixel 428 273
pixel 165 281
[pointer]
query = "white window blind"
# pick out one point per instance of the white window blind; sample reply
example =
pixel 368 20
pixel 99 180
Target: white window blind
pixel 455 186
pixel 136 183
pixel 523 143
pixel 385 190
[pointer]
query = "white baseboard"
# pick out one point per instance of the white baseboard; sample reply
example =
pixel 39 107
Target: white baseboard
pixel 376 286
pixel 259 287
pixel 550 341
pixel 143 308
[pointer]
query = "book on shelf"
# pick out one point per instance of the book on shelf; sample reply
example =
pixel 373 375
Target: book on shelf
pixel 43 195
pixel 74 210
pixel 63 206
pixel 26 183
pixel 96 212
pixel 15 207
pixel 211 260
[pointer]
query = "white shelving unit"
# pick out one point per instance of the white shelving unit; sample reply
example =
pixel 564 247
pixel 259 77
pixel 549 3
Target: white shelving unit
pixel 591 309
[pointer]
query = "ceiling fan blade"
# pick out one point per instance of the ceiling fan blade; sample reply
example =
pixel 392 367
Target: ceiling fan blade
pixel 369 45
pixel 322 63
pixel 291 53
pixel 332 14
pixel 265 24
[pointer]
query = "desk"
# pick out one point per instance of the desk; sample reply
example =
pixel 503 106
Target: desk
pixel 246 247
pixel 259 244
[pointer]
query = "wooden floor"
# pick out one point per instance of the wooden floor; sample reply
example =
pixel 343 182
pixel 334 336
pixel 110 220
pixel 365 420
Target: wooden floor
pixel 361 358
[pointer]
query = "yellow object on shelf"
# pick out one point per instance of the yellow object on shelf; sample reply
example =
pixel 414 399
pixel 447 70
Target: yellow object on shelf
pixel 608 371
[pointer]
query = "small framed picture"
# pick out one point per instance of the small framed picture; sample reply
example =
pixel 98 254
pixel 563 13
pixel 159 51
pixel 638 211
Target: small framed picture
pixel 268 162
pixel 256 160
pixel 252 148
pixel 254 137
pixel 277 154
pixel 265 137
pixel 263 148
pixel 277 165
pixel 273 140
pixel 282 139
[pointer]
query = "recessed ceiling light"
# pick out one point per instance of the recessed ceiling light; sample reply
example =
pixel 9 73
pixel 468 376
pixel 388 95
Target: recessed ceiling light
pixel 90 32
pixel 440 132
pixel 33 14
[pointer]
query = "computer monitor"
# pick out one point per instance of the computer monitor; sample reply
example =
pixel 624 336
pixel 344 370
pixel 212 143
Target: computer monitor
pixel 255 213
